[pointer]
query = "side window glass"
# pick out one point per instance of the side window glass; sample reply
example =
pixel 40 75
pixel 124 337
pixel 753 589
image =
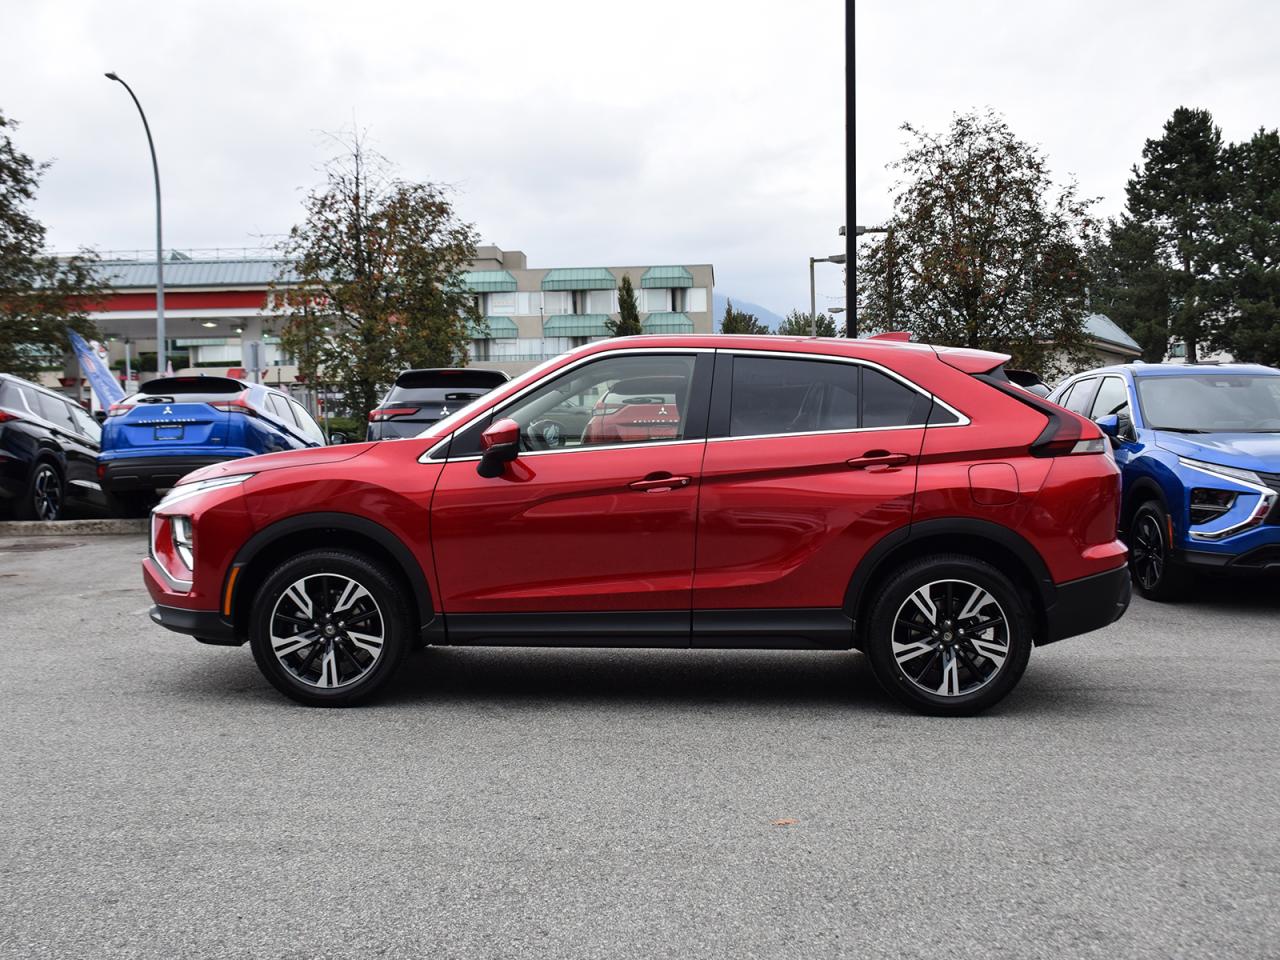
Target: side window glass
pixel 1077 399
pixel 887 402
pixel 627 399
pixel 310 428
pixel 281 409
pixel 1112 398
pixel 775 395
pixel 55 411
pixel 87 425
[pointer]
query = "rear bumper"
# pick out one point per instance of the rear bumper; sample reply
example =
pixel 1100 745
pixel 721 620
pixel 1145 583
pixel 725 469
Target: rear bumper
pixel 207 626
pixel 153 473
pixel 1089 603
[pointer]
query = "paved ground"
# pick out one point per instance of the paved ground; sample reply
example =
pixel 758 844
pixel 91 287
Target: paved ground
pixel 160 800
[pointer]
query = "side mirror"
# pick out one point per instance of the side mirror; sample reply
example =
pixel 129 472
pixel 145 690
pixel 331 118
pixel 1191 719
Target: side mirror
pixel 1110 425
pixel 499 445
pixel 337 437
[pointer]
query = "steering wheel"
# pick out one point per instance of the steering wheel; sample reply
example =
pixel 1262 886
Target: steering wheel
pixel 546 434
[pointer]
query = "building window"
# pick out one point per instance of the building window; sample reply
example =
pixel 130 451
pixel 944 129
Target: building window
pixel 600 301
pixel 657 300
pixel 695 300
pixel 501 305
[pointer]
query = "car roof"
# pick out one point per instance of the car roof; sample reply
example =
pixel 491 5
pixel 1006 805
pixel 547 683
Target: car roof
pixel 1180 370
pixel 835 346
pixel 37 386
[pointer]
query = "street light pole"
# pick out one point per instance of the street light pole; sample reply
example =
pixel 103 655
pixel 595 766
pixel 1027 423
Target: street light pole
pixel 155 169
pixel 813 297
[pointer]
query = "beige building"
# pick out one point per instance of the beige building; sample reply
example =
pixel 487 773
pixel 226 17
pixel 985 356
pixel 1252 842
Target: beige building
pixel 534 314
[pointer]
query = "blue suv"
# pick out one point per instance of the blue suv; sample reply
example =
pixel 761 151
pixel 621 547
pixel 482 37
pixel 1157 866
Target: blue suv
pixel 174 425
pixel 1199 450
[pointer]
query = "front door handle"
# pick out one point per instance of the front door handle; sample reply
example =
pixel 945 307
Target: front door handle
pixel 660 483
pixel 878 458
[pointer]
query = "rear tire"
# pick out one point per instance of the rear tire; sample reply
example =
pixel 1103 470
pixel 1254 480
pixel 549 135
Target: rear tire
pixel 329 628
pixel 1155 574
pixel 950 635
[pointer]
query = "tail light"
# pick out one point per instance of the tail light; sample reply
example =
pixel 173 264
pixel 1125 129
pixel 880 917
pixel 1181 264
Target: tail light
pixel 5 416
pixel 238 405
pixel 1066 434
pixel 388 413
pixel 119 409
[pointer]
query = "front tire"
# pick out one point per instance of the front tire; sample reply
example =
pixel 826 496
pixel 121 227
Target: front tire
pixel 1155 574
pixel 950 635
pixel 329 628
pixel 45 496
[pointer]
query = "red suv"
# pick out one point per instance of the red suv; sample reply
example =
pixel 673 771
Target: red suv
pixel 700 491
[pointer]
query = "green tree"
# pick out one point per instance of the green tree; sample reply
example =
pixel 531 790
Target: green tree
pixel 983 250
pixel 40 295
pixel 1131 285
pixel 1249 261
pixel 376 262
pixel 739 321
pixel 1178 192
pixel 628 322
pixel 797 324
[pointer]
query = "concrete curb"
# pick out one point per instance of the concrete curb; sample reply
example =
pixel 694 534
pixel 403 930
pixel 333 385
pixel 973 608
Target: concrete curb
pixel 76 528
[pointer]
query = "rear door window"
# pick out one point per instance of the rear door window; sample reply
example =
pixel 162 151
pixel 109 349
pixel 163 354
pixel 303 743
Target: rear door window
pixel 887 402
pixel 310 428
pixel 1078 398
pixel 779 395
pixel 1112 398
pixel 56 411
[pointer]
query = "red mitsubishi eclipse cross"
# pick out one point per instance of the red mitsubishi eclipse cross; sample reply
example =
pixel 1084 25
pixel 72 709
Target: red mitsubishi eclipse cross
pixel 903 500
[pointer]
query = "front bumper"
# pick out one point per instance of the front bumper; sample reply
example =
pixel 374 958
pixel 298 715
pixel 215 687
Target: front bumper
pixel 207 626
pixel 1089 603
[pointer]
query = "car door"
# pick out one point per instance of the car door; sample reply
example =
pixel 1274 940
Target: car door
pixel 809 461
pixel 80 456
pixel 590 531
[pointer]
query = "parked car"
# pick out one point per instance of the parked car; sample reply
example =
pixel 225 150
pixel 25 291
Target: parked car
pixel 903 500
pixel 48 452
pixel 1199 449
pixel 419 398
pixel 174 425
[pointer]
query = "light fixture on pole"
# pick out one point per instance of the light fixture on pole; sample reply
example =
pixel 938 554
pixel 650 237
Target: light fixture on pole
pixel 813 297
pixel 155 169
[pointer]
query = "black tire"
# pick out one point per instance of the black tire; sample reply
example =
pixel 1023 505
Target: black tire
pixel 46 495
pixel 1155 574
pixel 954 672
pixel 305 670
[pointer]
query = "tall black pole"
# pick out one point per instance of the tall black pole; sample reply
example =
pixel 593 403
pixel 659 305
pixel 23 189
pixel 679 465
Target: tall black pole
pixel 850 240
pixel 155 169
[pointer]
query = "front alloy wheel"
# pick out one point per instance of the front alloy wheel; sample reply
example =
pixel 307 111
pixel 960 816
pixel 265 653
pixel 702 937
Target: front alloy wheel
pixel 329 627
pixel 1155 573
pixel 949 635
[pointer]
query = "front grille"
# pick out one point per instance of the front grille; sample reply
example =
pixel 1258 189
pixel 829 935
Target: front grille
pixel 1272 480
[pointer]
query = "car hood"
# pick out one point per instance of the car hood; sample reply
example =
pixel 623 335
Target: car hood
pixel 275 461
pixel 1249 451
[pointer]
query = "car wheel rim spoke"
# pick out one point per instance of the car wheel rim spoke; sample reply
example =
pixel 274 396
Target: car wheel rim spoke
pixel 313 635
pixel 950 638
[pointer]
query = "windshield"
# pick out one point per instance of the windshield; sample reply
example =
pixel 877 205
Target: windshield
pixel 1211 403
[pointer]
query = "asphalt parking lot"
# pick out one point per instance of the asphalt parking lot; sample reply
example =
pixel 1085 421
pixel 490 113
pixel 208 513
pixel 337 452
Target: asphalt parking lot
pixel 161 800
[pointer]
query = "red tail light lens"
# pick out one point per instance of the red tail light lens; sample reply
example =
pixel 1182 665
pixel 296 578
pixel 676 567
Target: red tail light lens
pixel 119 409
pixel 6 415
pixel 387 413
pixel 1066 434
pixel 238 405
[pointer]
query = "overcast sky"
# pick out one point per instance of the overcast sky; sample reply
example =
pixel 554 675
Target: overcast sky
pixel 1087 81
pixel 582 133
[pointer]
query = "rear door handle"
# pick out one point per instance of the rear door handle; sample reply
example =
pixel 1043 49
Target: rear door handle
pixel 878 458
pixel 660 483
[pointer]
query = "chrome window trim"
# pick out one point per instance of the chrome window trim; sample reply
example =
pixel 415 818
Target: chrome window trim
pixel 962 420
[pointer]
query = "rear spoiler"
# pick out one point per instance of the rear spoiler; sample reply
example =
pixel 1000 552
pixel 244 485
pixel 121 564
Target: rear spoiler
pixel 970 361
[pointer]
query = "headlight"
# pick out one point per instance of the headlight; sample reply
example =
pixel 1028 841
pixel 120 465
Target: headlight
pixel 203 486
pixel 182 541
pixel 1236 473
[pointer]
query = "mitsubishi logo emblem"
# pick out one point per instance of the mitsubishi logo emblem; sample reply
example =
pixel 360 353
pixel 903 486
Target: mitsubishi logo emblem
pixel 662 410
pixel 168 410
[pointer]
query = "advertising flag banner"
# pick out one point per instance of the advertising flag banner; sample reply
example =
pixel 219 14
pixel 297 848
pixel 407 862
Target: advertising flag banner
pixel 105 386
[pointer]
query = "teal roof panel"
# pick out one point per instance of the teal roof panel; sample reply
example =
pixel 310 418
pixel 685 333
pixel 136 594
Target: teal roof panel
pixel 576 325
pixel 489 281
pixel 579 278
pixel 667 277
pixel 667 323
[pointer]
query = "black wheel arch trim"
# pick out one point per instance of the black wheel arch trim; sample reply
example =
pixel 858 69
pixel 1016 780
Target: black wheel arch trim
pixel 881 552
pixel 1143 489
pixel 301 522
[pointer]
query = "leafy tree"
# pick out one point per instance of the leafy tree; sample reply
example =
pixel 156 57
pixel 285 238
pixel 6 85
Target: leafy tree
pixel 40 295
pixel 376 260
pixel 1131 285
pixel 797 324
pixel 628 322
pixel 1249 261
pixel 1177 192
pixel 983 250
pixel 739 321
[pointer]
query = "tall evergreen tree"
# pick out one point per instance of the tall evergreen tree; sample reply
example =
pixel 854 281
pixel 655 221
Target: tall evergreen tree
pixel 1177 192
pixel 1130 284
pixel 40 295
pixel 628 322
pixel 739 321
pixel 1250 252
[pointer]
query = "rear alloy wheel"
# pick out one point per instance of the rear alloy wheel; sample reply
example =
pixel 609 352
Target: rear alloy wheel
pixel 949 635
pixel 329 628
pixel 1156 575
pixel 44 498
